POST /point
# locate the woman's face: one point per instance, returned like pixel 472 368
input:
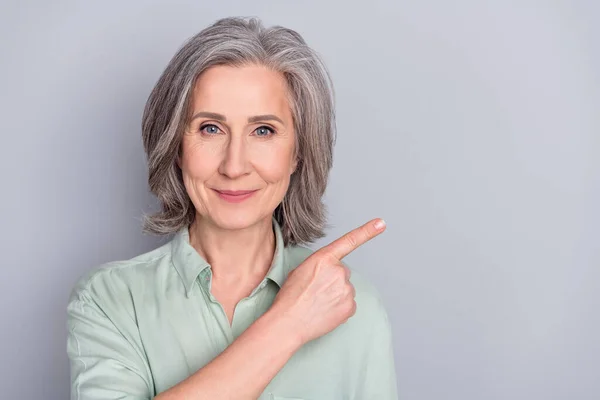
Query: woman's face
pixel 240 138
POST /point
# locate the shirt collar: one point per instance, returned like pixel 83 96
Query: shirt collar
pixel 189 264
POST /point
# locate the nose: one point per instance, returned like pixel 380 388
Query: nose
pixel 235 162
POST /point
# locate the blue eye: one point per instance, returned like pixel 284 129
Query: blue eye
pixel 210 129
pixel 264 131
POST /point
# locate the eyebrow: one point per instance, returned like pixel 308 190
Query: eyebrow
pixel 222 118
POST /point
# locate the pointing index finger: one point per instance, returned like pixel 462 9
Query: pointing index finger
pixel 352 240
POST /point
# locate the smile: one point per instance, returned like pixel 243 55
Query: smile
pixel 235 196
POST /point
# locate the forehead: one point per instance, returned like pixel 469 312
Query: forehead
pixel 245 90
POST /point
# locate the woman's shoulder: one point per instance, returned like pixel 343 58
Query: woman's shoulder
pixel 105 279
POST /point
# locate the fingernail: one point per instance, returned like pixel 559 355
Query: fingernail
pixel 380 224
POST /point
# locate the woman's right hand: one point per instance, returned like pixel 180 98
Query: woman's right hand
pixel 317 296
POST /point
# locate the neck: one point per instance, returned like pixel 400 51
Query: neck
pixel 234 255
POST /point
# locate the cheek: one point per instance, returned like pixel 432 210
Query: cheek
pixel 274 165
pixel 198 162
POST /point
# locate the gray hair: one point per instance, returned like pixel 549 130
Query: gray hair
pixel 238 41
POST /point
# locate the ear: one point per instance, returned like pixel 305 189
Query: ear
pixel 294 165
pixel 178 156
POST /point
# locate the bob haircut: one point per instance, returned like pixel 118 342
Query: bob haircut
pixel 238 41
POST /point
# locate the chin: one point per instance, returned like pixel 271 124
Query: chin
pixel 236 220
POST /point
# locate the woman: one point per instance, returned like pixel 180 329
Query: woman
pixel 238 133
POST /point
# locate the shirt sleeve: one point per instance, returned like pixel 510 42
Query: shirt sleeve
pixel 104 363
pixel 380 377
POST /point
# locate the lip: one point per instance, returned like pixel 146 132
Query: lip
pixel 235 196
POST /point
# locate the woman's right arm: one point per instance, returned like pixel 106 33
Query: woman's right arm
pixel 316 297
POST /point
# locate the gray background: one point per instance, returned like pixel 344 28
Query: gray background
pixel 472 127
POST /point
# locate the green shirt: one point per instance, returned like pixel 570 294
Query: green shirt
pixel 138 327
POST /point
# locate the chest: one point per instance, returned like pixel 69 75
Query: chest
pixel 229 298
pixel 184 334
